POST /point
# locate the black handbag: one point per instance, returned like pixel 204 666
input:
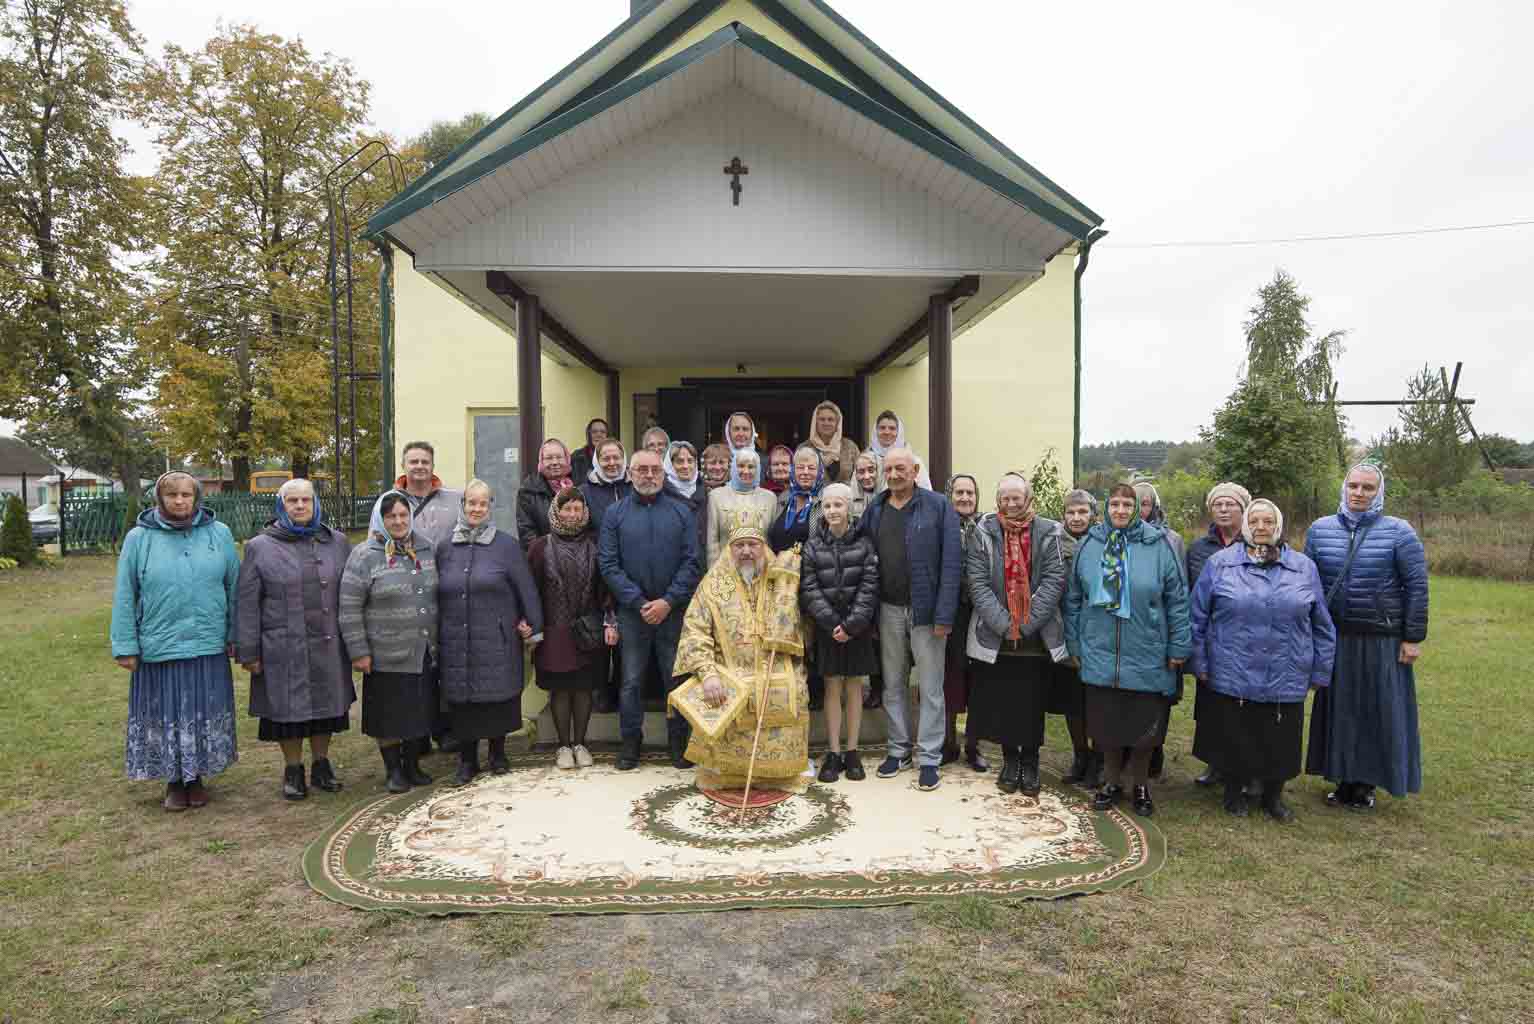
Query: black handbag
pixel 589 631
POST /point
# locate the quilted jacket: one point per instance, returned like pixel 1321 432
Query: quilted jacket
pixel 1386 586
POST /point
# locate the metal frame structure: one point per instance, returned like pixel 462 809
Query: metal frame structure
pixel 1455 404
pixel 338 264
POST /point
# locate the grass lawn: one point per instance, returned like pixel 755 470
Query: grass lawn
pixel 111 910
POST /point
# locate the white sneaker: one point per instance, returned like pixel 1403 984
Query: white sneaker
pixel 564 758
pixel 582 756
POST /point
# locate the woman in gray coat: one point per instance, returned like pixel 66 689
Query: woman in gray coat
pixel 288 636
pixel 389 625
pixel 489 608
pixel 1015 571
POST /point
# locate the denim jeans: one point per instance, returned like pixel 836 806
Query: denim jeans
pixel 638 643
pixel 899 642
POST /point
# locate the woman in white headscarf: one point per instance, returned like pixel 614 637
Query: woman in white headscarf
pixel 889 434
pixel 740 432
pixel 837 453
pixel 867 481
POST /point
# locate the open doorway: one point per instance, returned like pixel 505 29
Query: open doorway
pixel 781 407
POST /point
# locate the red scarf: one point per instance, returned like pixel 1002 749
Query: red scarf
pixel 1017 563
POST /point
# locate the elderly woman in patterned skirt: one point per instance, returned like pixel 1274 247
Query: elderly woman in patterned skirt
pixel 173 628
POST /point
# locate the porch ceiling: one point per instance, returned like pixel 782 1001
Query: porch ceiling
pixel 711 319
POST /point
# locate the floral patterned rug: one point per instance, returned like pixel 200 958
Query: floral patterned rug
pixel 597 840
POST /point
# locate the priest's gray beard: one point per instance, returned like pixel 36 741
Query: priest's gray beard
pixel 747 571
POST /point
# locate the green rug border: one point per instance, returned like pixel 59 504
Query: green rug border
pixel 1113 831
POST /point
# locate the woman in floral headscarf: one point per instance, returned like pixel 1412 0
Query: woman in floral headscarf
pixel 580 626
pixel 388 622
pixel 538 489
pixel 1126 625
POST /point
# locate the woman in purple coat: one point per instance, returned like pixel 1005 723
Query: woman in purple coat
pixel 1262 637
pixel 488 607
pixel 288 636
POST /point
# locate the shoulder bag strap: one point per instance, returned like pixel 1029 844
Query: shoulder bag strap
pixel 1358 542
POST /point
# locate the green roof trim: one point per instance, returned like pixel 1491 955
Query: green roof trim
pixel 409 202
pixel 406 205
pixel 526 101
pixel 958 114
pixel 915 134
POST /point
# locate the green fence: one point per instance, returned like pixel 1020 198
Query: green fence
pixel 93 523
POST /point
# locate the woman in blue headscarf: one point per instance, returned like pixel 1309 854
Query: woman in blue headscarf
pixel 1363 728
pixel 744 492
pixel 1127 627
pixel 798 509
pixel 288 636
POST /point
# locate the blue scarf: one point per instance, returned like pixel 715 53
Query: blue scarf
pixel 735 481
pixel 309 529
pixel 792 518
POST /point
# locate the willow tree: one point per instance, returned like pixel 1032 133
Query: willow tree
pixel 69 221
pixel 247 127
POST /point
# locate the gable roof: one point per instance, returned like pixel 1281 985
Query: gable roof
pixel 884 90
pixel 17 458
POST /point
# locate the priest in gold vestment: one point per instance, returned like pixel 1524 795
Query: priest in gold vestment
pixel 743 629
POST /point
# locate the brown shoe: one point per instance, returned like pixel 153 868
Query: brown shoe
pixel 175 797
pixel 196 795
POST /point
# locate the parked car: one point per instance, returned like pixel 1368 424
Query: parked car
pixel 45 524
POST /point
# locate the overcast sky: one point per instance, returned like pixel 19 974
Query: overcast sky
pixel 1175 122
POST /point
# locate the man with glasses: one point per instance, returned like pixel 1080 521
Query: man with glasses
pixel 648 555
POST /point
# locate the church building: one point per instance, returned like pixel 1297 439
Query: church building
pixel 735 204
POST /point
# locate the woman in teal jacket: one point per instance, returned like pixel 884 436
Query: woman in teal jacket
pixel 173 628
pixel 1127 626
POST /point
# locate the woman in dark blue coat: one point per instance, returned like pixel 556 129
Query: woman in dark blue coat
pixel 1261 638
pixel 1363 728
pixel 489 606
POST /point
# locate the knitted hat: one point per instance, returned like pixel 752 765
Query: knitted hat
pixel 1227 489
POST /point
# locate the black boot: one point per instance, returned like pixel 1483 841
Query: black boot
pixel 1158 764
pixel 830 767
pixel 1142 803
pixel 1011 768
pixel 323 776
pixel 1235 798
pixel 852 762
pixel 1080 760
pixel 975 759
pixel 498 763
pixel 1273 801
pixel 1028 776
pixel 410 754
pixel 468 762
pixel 1211 777
pixel 677 744
pixel 628 754
pixel 394 760
pixel 293 787
pixel 1094 777
pixel 1107 797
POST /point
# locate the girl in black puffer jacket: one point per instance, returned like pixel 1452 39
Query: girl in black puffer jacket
pixel 839 589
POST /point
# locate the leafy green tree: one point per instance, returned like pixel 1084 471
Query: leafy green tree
pixel 16 533
pixel 433 145
pixel 1428 450
pixel 1506 452
pixel 1048 487
pixel 239 326
pixel 69 218
pixel 1275 434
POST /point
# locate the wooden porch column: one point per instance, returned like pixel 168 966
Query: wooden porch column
pixel 614 406
pixel 859 413
pixel 530 379
pixel 940 389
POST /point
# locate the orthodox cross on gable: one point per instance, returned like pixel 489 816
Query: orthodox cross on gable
pixel 735 169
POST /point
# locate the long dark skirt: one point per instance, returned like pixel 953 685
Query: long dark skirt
pixel 271 731
pixel 1007 700
pixel 1203 746
pixel 1363 728
pixel 398 705
pixel 181 719
pixel 1250 739
pixel 1067 693
pixel 486 721
pixel 957 676
pixel 588 678
pixel 1125 718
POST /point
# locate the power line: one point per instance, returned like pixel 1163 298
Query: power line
pixel 1405 233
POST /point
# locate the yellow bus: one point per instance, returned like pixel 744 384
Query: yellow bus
pixel 267 481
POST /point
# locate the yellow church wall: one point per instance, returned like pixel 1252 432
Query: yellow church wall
pixel 451 361
pixel 752 17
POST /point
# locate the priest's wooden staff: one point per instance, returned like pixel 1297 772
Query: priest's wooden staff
pixel 761 715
